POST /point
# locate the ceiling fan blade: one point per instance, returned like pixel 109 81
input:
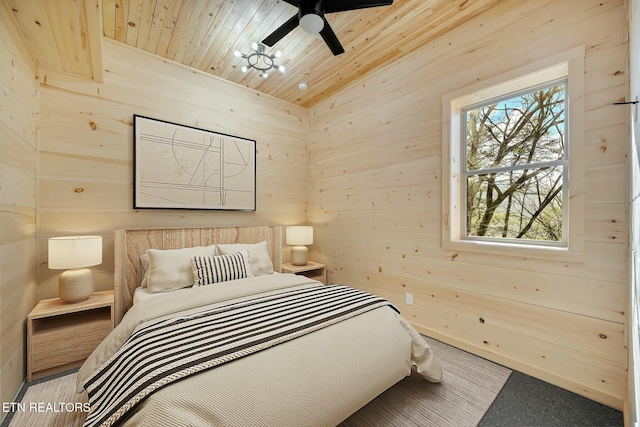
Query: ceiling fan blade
pixel 332 6
pixel 281 31
pixel 331 39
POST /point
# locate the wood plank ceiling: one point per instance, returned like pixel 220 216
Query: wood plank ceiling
pixel 63 35
pixel 203 34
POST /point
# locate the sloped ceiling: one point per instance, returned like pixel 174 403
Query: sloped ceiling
pixel 203 34
pixel 63 35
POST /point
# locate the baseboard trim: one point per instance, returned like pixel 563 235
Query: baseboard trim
pixel 580 389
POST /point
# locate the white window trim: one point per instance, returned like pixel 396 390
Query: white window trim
pixel 569 64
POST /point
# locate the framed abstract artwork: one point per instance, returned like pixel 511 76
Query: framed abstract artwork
pixel 183 167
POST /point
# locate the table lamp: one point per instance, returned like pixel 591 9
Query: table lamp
pixel 298 236
pixel 75 253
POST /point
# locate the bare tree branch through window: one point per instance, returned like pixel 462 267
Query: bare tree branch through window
pixel 515 165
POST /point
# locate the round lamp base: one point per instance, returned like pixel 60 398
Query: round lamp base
pixel 75 285
pixel 299 255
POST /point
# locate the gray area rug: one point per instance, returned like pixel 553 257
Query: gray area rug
pixel 469 387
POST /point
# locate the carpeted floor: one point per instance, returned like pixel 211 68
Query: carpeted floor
pixel 470 386
pixel 526 401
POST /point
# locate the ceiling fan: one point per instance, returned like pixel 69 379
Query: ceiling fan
pixel 311 19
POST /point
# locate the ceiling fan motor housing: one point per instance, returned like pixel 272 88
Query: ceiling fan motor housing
pixel 311 6
pixel 311 15
pixel 310 18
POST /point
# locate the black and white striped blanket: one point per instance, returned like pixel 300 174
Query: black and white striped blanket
pixel 168 350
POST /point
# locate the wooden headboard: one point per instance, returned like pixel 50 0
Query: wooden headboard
pixel 130 244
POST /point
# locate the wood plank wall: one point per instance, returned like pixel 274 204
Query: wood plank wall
pixel 18 163
pixel 633 405
pixel 86 150
pixel 375 191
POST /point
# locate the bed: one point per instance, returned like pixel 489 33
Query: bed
pixel 260 349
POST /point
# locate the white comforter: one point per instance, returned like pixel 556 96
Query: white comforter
pixel 317 379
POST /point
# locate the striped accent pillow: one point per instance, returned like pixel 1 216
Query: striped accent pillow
pixel 221 268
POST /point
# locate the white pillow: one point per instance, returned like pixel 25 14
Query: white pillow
pixel 144 260
pixel 221 268
pixel 258 256
pixel 170 269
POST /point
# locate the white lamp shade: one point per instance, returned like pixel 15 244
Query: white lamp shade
pixel 74 252
pixel 300 235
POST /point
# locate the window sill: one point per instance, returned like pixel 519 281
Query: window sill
pixel 515 250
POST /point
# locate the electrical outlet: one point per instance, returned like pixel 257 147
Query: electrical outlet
pixel 409 298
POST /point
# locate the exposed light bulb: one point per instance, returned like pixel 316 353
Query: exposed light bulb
pixel 278 54
pixel 237 54
pixel 254 46
pixel 244 69
pixel 281 68
pixel 264 74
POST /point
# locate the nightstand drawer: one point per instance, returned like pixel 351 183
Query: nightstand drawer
pixel 62 340
pixel 61 336
pixel 314 275
pixel 312 270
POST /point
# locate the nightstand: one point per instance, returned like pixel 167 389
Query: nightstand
pixel 61 336
pixel 312 270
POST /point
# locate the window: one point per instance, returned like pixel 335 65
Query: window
pixel 514 165
pixel 513 168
